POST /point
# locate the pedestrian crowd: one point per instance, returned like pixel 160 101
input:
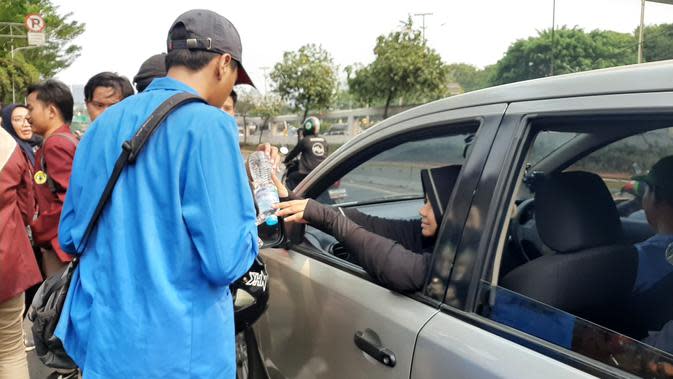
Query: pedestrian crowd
pixel 153 278
pixel 154 238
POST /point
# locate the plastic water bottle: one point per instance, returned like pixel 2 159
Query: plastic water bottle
pixel 265 191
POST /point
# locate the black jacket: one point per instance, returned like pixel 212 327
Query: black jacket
pixel 394 252
pixel 313 150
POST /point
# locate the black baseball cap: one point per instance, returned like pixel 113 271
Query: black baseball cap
pixel 154 67
pixel 660 176
pixel 209 31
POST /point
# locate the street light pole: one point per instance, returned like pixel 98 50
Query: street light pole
pixel 423 22
pixel 640 31
pixel 642 24
pixel 264 69
pixel 553 28
pixel 13 50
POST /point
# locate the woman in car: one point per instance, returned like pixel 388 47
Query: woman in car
pixel 394 252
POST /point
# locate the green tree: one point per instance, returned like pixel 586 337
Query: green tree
pixel 245 105
pixel 404 68
pixel 17 72
pixel 657 42
pixel 266 107
pixel 469 77
pixel 574 50
pixel 59 52
pixel 306 78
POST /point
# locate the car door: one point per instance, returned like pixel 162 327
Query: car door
pixel 467 337
pixel 327 318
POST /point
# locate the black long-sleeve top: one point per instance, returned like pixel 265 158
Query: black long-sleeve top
pixel 393 252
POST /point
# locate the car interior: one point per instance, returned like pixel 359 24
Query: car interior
pixel 384 183
pixel 574 223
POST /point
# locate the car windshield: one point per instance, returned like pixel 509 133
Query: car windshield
pixel 547 143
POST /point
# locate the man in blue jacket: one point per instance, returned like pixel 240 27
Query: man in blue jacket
pixel 150 297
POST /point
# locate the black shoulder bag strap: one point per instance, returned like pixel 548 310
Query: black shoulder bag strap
pixel 130 151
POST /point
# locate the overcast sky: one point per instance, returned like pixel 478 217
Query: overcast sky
pixel 121 34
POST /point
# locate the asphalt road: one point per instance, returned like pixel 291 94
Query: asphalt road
pixel 35 367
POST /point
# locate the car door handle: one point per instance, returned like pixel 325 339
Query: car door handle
pixel 370 343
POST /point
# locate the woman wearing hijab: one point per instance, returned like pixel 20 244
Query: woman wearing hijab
pixel 15 123
pixel 396 253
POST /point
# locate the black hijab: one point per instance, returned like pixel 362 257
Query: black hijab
pixel 26 146
pixel 438 185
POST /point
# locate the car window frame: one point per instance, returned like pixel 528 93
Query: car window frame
pixel 501 176
pixel 483 118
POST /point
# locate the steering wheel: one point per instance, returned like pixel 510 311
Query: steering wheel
pixel 524 232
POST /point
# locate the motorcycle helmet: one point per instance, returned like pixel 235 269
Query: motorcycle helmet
pixel 251 295
pixel 311 125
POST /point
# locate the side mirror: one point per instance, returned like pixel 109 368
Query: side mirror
pixel 271 235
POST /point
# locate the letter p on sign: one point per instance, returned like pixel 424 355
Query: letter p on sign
pixel 35 23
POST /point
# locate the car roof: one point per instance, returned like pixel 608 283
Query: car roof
pixel 648 77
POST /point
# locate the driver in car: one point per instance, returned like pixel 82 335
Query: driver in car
pixel 395 252
pixel 653 259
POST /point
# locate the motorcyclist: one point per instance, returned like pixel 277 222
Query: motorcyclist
pixel 311 149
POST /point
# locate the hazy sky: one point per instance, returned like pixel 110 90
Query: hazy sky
pixel 121 34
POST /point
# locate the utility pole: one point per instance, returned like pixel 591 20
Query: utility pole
pixel 264 70
pixel 640 31
pixel 553 28
pixel 423 21
pixel 642 24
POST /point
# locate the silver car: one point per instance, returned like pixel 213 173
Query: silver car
pixel 525 281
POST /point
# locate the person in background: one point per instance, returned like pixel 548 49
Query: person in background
pixel 154 67
pixel 312 149
pixel 50 106
pixel 653 263
pixel 15 122
pixel 18 268
pixel 229 105
pixel 104 90
pixel 150 297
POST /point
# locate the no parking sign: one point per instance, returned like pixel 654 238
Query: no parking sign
pixel 35 23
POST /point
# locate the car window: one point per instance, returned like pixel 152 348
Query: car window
pixel 578 268
pixel 618 162
pixel 394 174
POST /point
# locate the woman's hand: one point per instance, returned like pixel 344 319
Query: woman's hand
pixel 292 211
pixel 280 187
pixel 271 152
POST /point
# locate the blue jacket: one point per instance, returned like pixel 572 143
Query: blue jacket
pixel 652 263
pixel 150 297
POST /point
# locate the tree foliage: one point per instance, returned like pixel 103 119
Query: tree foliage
pixel 470 77
pixel 306 78
pixel 657 42
pixel 18 71
pixel 404 67
pixel 47 60
pixel 266 107
pixel 245 105
pixel 574 50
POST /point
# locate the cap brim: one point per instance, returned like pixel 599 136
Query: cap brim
pixel 642 178
pixel 243 77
